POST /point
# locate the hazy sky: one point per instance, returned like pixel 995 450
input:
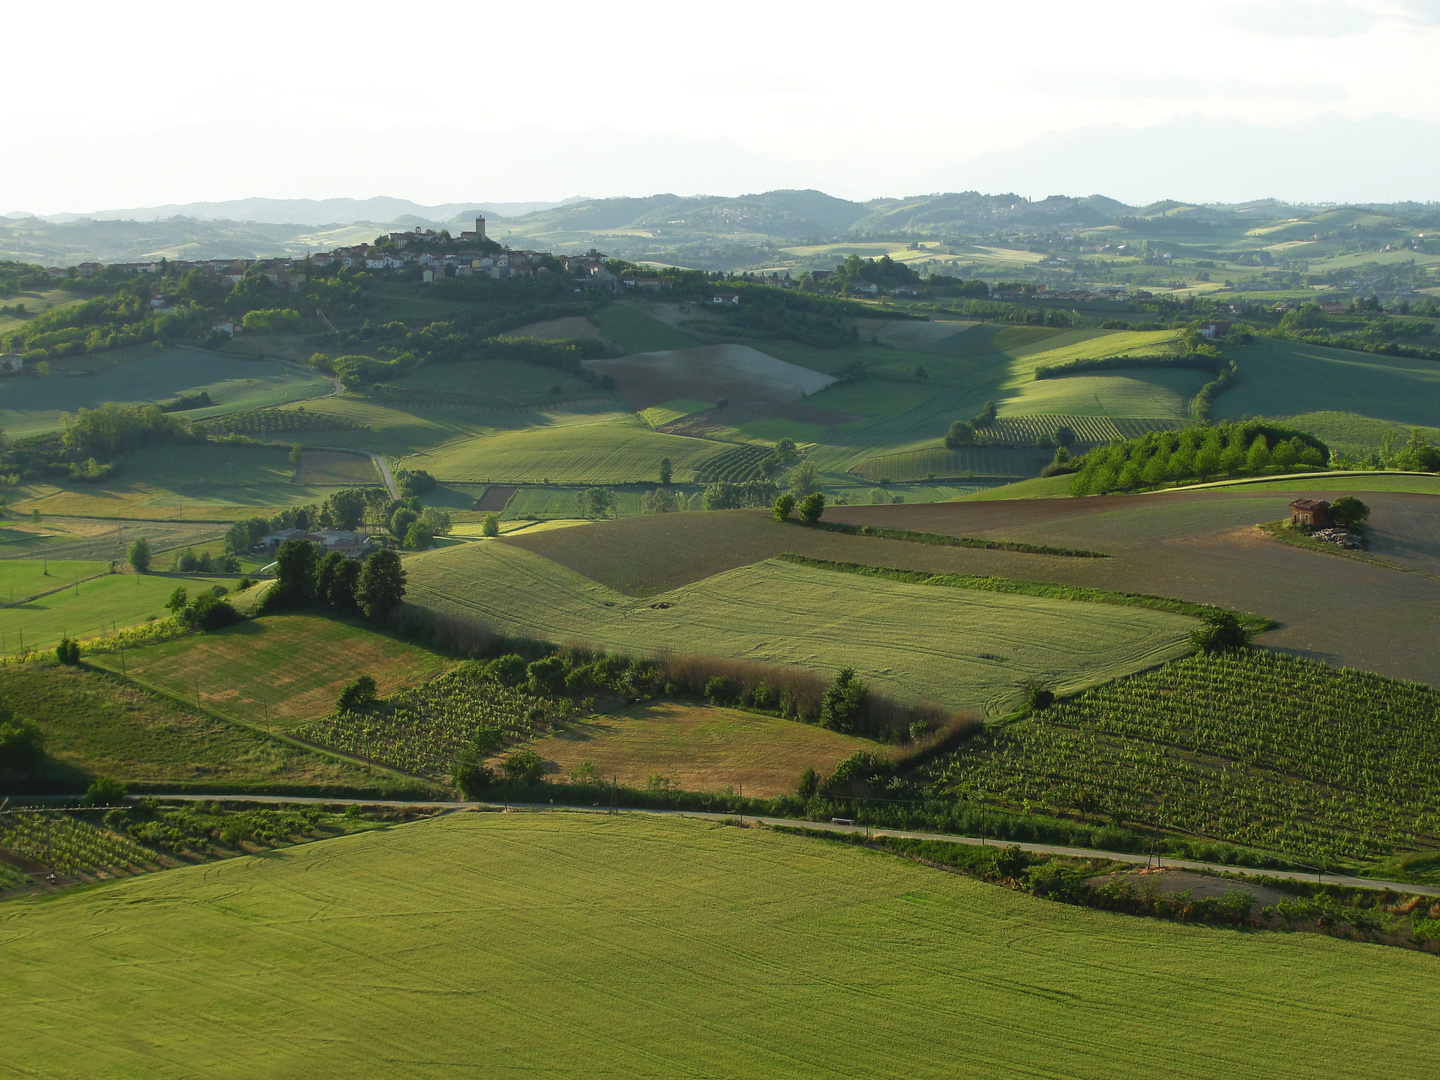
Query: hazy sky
pixel 122 105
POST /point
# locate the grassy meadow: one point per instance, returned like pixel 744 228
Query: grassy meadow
pixel 90 607
pixel 287 668
pixel 967 650
pixel 33 404
pixel 97 724
pixel 574 945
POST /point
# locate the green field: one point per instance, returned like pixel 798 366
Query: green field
pixel 492 383
pixel 594 946
pixel 287 668
pixel 636 331
pixel 90 608
pixel 1353 435
pixel 1286 378
pixel 967 650
pixel 610 448
pixel 200 481
pixel 33 404
pixel 97 724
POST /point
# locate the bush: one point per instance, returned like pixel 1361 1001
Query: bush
pixel 811 507
pixel 784 507
pixel 1010 862
pixel 490 525
pixel 546 676
pixel 717 690
pixel 809 783
pixel 22 745
pixel 1039 696
pixel 508 670
pixel 524 766
pixel 208 612
pixel 104 792
pixel 68 651
pixel 1222 633
pixel 471 775
pixel 358 694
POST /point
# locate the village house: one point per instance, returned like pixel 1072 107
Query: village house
pixel 1213 331
pixel 1311 513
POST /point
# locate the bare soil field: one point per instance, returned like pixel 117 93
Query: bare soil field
pixel 1201 546
pixel 495 498
pixel 698 748
pixel 643 556
pixel 737 373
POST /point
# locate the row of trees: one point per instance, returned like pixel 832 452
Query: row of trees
pixel 410 522
pixel 1196 453
pixel 306 577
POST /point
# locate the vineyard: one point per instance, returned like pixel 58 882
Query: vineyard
pixel 264 422
pixel 1025 430
pixel 936 461
pixel 72 847
pixel 737 464
pixel 1259 749
pixel 422 731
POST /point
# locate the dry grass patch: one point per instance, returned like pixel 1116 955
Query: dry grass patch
pixel 698 748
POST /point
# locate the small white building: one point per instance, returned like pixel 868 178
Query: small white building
pixel 11 363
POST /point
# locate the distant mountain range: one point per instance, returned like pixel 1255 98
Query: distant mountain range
pixel 312 212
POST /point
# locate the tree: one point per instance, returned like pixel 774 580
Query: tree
pixel 1258 456
pixel 347 507
pixel 784 507
pixel 840 704
pixel 723 495
pixel 1065 436
pixel 811 507
pixel 295 563
pixel 804 479
pixel 1349 511
pixel 665 472
pixel 401 520
pixel 244 535
pixel 139 556
pixel 104 792
pixel 658 501
pixel 786 451
pixel 22 744
pixel 961 433
pixel 209 612
pixel 524 766
pixel 358 694
pixel 381 585
pixel 595 502
pixel 1419 455
pixel 68 651
pixel 179 600
pixel 809 783
pixel 490 525
pixel 471 775
pixel 1222 633
pixel 437 521
pixel 418 537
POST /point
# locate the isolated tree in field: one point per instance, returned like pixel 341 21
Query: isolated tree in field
pixel 359 694
pixel 1349 511
pixel 524 767
pixel 1065 436
pixel 784 507
pixel 961 433
pixel 490 525
pixel 1222 633
pixel 595 502
pixel 139 556
pixel 786 451
pixel 804 479
pixel 811 507
pixel 665 471
pixel 381 585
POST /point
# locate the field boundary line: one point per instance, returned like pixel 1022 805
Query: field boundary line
pixel 802 824
pixel 1285 478
pixel 224 717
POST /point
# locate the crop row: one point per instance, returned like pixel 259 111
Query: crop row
pixel 274 421
pixel 422 731
pixel 1090 429
pixel 1258 749
pixel 71 846
pixel 737 464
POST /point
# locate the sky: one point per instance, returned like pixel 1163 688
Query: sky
pixel 123 106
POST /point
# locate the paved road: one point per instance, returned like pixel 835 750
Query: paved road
pixel 828 826
pixel 380 463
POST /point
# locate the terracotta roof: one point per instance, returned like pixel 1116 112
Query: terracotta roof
pixel 1309 504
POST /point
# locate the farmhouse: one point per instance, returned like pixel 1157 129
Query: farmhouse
pixel 1214 330
pixel 11 363
pixel 1312 513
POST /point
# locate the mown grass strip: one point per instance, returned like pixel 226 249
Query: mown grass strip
pixel 1046 589
pixel 944 540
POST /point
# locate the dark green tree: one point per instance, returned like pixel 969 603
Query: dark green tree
pixel 295 563
pixel 139 556
pixel 524 767
pixel 1222 633
pixel 358 694
pixel 842 701
pixel 811 507
pixel 1349 511
pixel 665 471
pixel 961 433
pixel 784 507
pixel 381 585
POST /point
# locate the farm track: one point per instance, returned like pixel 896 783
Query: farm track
pixel 821 826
